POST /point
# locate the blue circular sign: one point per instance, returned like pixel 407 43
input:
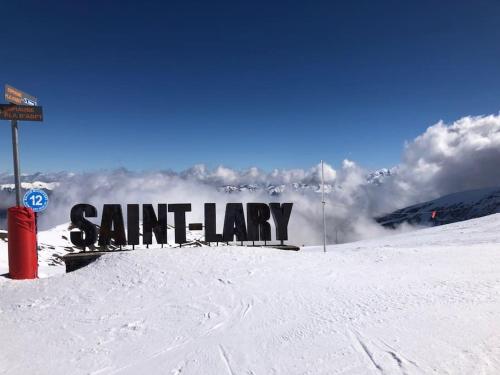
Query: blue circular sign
pixel 36 199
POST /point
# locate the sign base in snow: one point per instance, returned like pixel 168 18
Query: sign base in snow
pixel 75 261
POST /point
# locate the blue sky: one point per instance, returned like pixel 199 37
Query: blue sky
pixel 167 84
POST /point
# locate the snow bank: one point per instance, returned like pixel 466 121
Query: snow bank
pixel 421 302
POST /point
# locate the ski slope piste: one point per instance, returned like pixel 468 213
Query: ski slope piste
pixel 423 302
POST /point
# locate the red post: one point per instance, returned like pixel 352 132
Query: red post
pixel 23 257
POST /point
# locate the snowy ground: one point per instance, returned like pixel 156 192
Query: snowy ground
pixel 417 303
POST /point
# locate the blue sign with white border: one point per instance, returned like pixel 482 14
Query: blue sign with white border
pixel 36 199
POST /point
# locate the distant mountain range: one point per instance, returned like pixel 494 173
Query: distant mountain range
pixel 274 189
pixel 450 208
pixel 377 177
pixel 50 182
pixel 7 178
pixel 49 186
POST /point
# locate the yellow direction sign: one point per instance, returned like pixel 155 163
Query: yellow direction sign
pixel 16 96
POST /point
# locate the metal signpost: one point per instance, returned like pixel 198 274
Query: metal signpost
pixel 22 222
pixel 323 203
pixel 15 156
pixel 24 107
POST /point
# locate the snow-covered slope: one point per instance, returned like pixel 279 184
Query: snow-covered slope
pixel 451 208
pixel 417 303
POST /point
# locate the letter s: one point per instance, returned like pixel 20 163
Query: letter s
pixel 78 213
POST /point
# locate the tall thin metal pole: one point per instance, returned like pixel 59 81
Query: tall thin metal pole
pixel 15 156
pixel 323 202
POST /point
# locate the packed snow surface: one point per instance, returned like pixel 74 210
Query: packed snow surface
pixel 416 303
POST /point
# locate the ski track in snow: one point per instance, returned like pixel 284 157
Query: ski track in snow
pixel 225 359
pixel 416 303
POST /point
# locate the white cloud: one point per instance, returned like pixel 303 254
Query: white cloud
pixel 444 159
pixel 449 158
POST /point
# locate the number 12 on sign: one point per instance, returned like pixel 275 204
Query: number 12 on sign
pixel 36 199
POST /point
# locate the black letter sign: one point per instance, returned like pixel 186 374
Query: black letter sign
pixel 179 211
pixel 210 224
pixel 152 224
pixel 133 224
pixel 281 215
pixel 78 213
pixel 112 226
pixel 258 227
pixel 234 223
